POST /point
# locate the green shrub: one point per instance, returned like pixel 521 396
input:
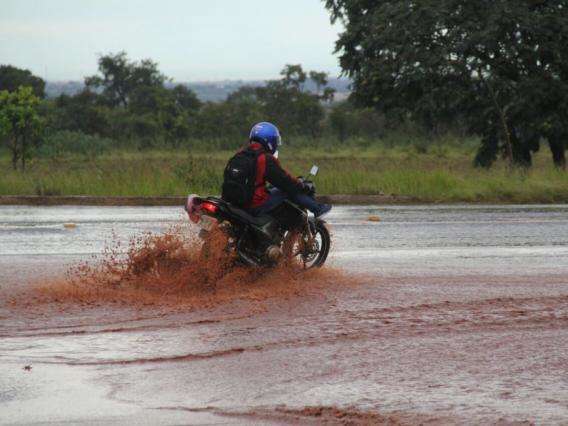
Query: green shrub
pixel 68 142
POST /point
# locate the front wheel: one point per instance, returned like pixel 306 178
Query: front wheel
pixel 310 249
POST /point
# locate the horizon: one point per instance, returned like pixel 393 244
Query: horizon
pixel 191 41
pixel 225 80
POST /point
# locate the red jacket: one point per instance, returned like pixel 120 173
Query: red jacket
pixel 268 169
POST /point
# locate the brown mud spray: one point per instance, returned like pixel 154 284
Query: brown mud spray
pixel 171 269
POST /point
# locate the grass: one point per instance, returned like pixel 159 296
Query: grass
pixel 440 173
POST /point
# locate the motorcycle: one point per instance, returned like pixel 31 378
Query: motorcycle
pixel 288 233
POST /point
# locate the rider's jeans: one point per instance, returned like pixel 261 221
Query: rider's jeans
pixel 277 197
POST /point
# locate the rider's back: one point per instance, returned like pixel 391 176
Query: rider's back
pixel 239 178
pixel 247 173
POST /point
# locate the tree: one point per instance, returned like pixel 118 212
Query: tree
pixel 120 78
pixel 84 112
pixel 11 78
pixel 293 76
pixel 245 110
pixel 345 120
pixel 294 111
pixel 340 121
pixel 558 142
pixel 488 62
pixel 20 124
pixel 185 99
pixel 320 80
pixel 228 122
pixel 284 102
pixel 149 111
pixel 172 109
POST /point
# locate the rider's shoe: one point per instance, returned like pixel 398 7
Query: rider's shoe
pixel 323 210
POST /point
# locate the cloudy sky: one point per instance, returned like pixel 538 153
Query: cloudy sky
pixel 190 39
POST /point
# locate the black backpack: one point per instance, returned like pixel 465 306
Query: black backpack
pixel 239 178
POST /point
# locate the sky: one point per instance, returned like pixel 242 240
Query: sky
pixel 192 40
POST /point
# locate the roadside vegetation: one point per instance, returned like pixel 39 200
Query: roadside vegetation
pixel 440 171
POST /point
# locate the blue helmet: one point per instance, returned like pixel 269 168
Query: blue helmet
pixel 267 135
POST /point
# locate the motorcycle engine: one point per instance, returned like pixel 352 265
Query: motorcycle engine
pixel 273 253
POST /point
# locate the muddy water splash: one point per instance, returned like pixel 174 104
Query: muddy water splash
pixel 172 269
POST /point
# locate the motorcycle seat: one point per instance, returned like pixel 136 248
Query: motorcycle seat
pixel 255 220
pixel 243 214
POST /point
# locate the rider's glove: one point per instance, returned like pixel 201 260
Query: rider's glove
pixel 308 187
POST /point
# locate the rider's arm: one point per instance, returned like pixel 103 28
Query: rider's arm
pixel 280 178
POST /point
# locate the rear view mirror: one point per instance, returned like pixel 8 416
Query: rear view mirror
pixel 314 170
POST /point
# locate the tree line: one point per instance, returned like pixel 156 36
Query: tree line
pixel 129 104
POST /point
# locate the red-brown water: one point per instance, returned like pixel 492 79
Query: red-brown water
pixel 438 320
pixel 169 270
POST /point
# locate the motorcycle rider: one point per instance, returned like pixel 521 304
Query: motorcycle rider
pixel 264 140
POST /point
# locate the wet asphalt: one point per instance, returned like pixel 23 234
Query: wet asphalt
pixel 452 314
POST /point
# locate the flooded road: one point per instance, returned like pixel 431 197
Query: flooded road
pixel 443 314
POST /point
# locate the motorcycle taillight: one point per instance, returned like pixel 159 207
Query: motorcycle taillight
pixel 210 207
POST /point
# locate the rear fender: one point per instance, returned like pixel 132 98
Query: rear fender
pixel 192 207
